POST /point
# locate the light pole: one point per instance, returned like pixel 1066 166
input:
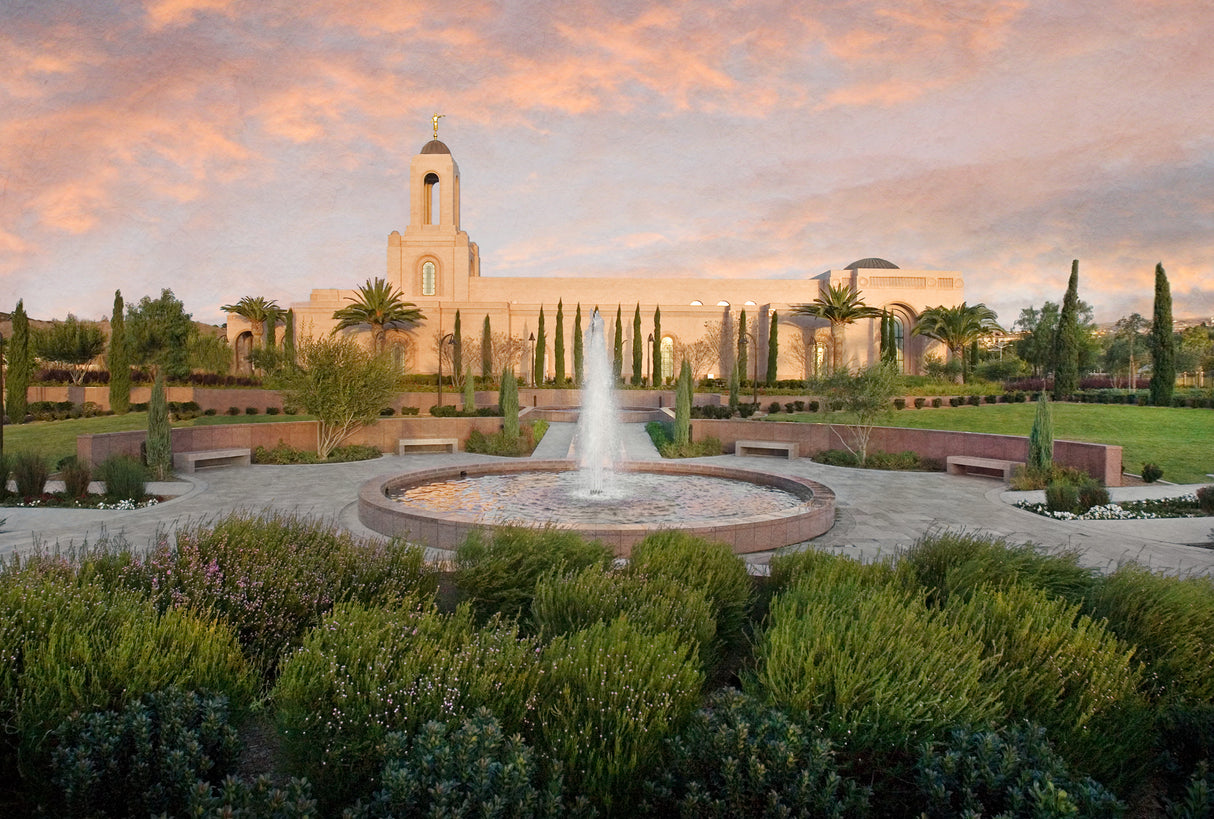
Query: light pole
pixel 447 339
pixel 649 358
pixel 530 365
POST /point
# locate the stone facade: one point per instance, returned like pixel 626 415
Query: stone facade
pixel 437 267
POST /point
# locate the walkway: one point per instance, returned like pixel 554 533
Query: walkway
pixel 878 512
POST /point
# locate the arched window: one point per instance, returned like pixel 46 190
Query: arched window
pixel 431 203
pixel 667 352
pixel 900 340
pixel 722 303
pixel 429 275
pixel 697 303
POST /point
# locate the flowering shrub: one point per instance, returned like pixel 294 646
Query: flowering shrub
pixel 1182 506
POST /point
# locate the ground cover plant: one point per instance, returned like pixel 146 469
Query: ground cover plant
pixel 966 677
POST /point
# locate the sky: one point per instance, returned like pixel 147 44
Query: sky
pixel 227 148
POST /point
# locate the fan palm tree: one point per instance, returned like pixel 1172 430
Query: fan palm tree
pixel 840 306
pixel 257 311
pixel 956 327
pixel 381 306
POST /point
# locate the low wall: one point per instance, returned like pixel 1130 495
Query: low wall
pixel 1101 461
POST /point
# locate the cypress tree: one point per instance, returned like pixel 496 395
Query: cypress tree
pixel 1163 343
pixel 682 406
pixel 617 363
pixel 507 399
pixel 636 347
pixel 541 340
pixel 578 352
pixel 733 388
pixel 469 391
pixel 1066 340
pixel 1041 438
pixel 288 339
pixel 743 343
pixel 20 365
pixel 486 349
pixel 657 347
pixel 558 344
pixel 271 331
pixel 3 463
pixel 457 349
pixel 773 348
pixel 159 448
pixel 118 360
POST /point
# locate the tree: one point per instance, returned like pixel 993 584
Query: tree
pixel 1066 340
pixel 469 391
pixel 288 339
pixel 258 311
pixel 487 368
pixel 210 353
pixel 159 332
pixel 617 362
pixel 507 399
pixel 656 352
pixel 636 347
pixel 159 447
pixel 118 360
pixel 507 352
pixel 541 341
pixel 743 343
pixel 340 383
pixel 20 365
pixel 71 344
pixel 733 388
pixel 578 352
pixel 558 344
pixel 1041 438
pixel 1163 343
pixel 682 406
pixel 889 344
pixel 867 397
pixel 1130 328
pixel 457 348
pixel 773 348
pixel 1038 328
pixel 956 327
pixel 839 307
pixel 380 306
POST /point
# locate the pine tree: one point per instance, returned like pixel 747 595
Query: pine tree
pixel 578 343
pixel 743 343
pixel 159 448
pixel 457 349
pixel 656 353
pixel 773 348
pixel 1066 340
pixel 682 406
pixel 617 363
pixel 637 349
pixel 507 399
pixel 118 360
pixel 1041 438
pixel 541 339
pixel 486 349
pixel 558 344
pixel 288 339
pixel 20 365
pixel 469 391
pixel 1163 343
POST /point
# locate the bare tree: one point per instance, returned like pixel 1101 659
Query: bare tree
pixel 507 353
pixel 701 355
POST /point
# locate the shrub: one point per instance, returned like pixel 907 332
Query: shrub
pixel 124 477
pixel 503 444
pixel 465 769
pixel 836 457
pixel 813 406
pixel 773 407
pixel 739 757
pixel 251 410
pixel 787 569
pixel 387 412
pixel 1205 499
pixel 612 694
pixel 919 402
pixel 1091 494
pixel 900 403
pixel 1061 497
pixel 272 410
pixel 237 798
pixel 973 400
pixel 1197 801
pixel 692 449
pixel 209 411
pixel 937 403
pixel 498 570
pixel 231 410
pixel 274 577
pixel 283 454
pixel 1012 773
pixel 1151 472
pixel 367 672
pixel 353 452
pixel 30 472
pixel 955 401
pixel 144 759
pixel 76 477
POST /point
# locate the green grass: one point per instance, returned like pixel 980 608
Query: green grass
pixel 1175 438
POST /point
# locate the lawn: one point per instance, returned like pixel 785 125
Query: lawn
pixel 1180 440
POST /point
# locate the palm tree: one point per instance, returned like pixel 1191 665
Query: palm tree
pixel 957 327
pixel 840 306
pixel 257 311
pixel 381 306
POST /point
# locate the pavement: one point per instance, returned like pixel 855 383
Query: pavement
pixel 878 513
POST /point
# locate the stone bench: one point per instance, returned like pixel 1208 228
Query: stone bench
pixel 786 448
pixel 969 464
pixel 405 445
pixel 191 461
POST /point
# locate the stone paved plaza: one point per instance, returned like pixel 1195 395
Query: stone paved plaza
pixel 878 512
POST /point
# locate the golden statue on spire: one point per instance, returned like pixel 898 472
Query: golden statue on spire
pixel 434 119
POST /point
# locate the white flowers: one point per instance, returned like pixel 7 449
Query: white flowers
pixel 1109 511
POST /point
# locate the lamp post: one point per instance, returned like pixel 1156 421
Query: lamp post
pixel 649 358
pixel 447 339
pixel 530 363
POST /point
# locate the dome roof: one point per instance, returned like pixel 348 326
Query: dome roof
pixel 435 147
pixel 872 264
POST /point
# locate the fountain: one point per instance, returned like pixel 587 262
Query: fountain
pixel 599 495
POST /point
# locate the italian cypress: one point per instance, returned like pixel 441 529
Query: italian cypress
pixel 1163 343
pixel 617 363
pixel 118 360
pixel 682 406
pixel 457 349
pixel 578 352
pixel 558 344
pixel 773 348
pixel 1066 340
pixel 20 365
pixel 159 447
pixel 733 388
pixel 271 331
pixel 636 347
pixel 1041 438
pixel 657 347
pixel 486 349
pixel 507 398
pixel 469 391
pixel 743 343
pixel 288 338
pixel 541 340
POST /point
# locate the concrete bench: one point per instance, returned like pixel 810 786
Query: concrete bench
pixel 786 448
pixel 967 464
pixel 191 461
pixel 405 445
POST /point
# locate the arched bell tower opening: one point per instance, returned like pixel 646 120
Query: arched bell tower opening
pixel 432 199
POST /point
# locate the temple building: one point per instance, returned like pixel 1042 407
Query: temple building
pixel 438 268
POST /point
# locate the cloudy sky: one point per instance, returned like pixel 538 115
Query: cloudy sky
pixel 225 148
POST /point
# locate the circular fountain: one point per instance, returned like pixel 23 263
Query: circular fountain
pixel 597 495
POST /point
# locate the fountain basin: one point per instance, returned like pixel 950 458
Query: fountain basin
pixel 811 513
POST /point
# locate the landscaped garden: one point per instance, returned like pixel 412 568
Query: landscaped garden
pixel 281 668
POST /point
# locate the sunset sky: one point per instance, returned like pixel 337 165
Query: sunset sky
pixel 225 148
